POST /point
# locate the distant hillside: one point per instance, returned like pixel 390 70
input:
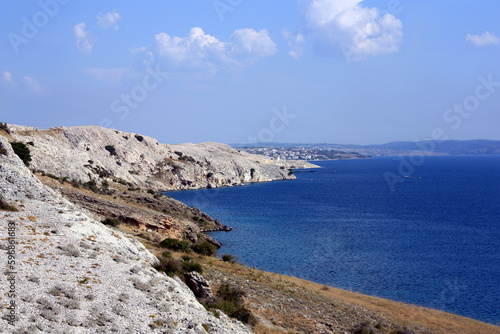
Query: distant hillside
pixel 445 147
pixel 452 147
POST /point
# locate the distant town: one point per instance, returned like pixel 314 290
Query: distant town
pixel 303 153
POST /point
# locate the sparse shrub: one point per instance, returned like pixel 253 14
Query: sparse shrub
pixel 252 172
pixel 175 245
pixel 151 191
pixel 139 138
pixel 22 151
pixel 103 173
pixel 187 158
pixel 228 258
pixel 139 285
pixel 111 222
pixel 104 186
pixel 92 186
pixel 169 266
pixel 209 175
pixel 57 291
pixel 70 250
pixel 76 183
pixel 4 206
pixel 111 149
pixel 290 171
pixel 204 248
pixel 229 299
pixel 5 127
pixel 178 153
pixel 364 328
pixel 190 266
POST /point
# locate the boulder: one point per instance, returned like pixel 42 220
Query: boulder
pixel 200 286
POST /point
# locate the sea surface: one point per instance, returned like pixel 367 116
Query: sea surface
pixel 432 239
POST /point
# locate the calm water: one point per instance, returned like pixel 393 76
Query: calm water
pixel 434 241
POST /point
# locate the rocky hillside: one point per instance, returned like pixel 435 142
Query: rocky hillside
pixel 84 153
pixel 68 273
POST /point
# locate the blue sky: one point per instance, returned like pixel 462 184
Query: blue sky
pixel 236 71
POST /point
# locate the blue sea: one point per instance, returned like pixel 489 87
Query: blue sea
pixel 432 238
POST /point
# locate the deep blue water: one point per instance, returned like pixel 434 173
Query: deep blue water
pixel 433 241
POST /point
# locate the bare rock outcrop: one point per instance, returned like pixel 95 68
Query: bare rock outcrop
pixel 200 286
pixel 72 274
pixel 88 152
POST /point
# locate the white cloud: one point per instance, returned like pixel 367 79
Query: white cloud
pixel 113 76
pixel 84 40
pixel 250 43
pixel 7 80
pixel 482 40
pixel 295 43
pixel 32 84
pixel 108 20
pixel 202 50
pixel 359 31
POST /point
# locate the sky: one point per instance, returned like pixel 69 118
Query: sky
pixel 241 71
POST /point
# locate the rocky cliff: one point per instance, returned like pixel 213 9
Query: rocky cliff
pixel 84 153
pixel 67 272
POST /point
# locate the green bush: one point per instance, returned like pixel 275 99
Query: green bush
pixel 104 186
pixel 91 185
pixel 151 191
pixel 229 299
pixel 111 149
pixel 22 151
pixel 189 266
pixel 290 171
pixel 111 221
pixel 228 258
pixel 252 172
pixel 172 266
pixel 204 248
pixel 169 266
pixel 139 138
pixel 175 245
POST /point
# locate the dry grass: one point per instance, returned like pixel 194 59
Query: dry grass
pixel 438 322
